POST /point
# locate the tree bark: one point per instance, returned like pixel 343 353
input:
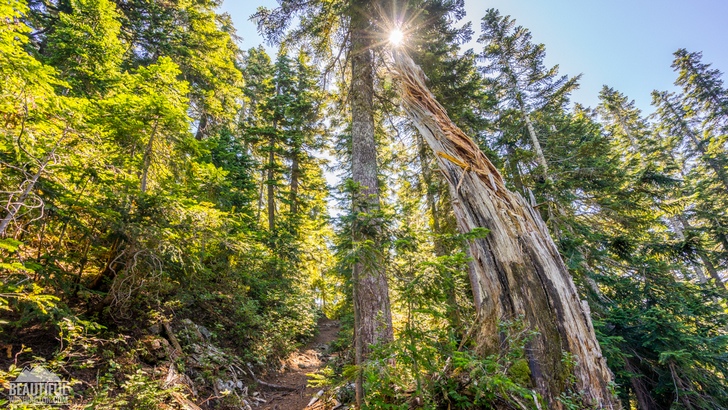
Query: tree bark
pixel 536 145
pixel 517 270
pixel 295 175
pixel 271 183
pixel 372 315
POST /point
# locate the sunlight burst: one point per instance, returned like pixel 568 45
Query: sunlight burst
pixel 396 37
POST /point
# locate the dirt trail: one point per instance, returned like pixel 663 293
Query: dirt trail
pixel 308 359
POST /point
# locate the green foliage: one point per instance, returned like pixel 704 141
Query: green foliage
pixel 116 216
pixel 141 153
pixel 84 46
pixel 426 369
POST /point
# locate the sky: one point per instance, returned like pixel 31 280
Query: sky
pixel 625 44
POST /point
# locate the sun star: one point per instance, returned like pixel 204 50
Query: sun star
pixel 396 37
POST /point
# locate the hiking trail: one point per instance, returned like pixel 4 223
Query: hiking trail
pixel 308 359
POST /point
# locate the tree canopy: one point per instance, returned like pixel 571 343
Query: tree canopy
pixel 181 216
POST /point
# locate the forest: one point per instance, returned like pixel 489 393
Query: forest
pixel 371 217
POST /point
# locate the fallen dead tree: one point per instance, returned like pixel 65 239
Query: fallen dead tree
pixel 517 270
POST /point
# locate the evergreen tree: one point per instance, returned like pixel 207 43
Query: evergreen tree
pixel 200 41
pixel 85 46
pixel 371 295
pixel 524 87
pixel 695 221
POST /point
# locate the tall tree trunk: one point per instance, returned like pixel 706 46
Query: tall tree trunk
pixel 271 181
pixel 536 145
pixel 517 268
pixel 260 194
pixel 295 175
pixel 372 315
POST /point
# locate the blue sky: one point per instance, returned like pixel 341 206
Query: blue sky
pixel 626 44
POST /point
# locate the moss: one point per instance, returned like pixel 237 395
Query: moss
pixel 520 373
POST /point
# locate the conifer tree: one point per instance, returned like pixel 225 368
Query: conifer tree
pixel 373 322
pixel 85 46
pixel 697 217
pixel 200 41
pixel 514 66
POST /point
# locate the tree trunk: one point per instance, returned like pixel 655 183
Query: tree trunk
pixel 201 128
pixel 536 145
pixel 295 175
pixel 271 182
pixel 372 315
pixel 517 271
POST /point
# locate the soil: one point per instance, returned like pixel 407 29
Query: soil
pixel 308 359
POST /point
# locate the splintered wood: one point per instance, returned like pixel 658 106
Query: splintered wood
pixel 517 272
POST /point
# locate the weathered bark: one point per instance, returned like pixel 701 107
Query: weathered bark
pixel 372 315
pixel 517 270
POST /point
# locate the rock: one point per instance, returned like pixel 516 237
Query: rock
pixel 191 332
pixel 345 393
pixel 203 330
pixel 155 329
pixel 155 349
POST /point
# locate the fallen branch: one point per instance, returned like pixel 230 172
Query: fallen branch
pixel 172 339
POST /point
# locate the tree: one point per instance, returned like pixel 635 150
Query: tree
pixel 683 145
pixel 200 42
pixel 373 320
pixel 517 271
pixel 84 46
pixel 514 66
pixel 36 127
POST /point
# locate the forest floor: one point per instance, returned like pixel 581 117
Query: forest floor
pixel 308 359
